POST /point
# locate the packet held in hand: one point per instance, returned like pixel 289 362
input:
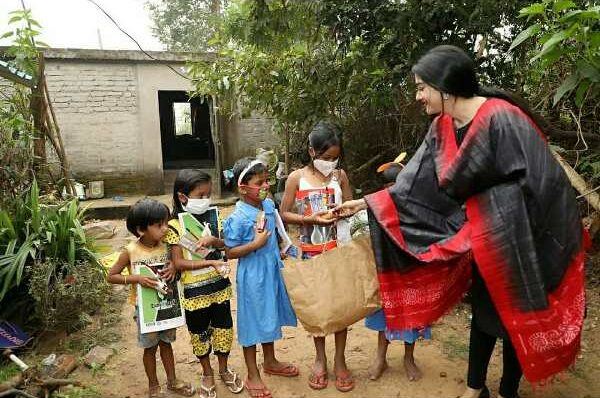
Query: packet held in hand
pixel 190 243
pixel 261 221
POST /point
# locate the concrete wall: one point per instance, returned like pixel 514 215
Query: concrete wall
pixel 243 135
pixel 106 103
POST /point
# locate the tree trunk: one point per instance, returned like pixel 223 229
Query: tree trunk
pixel 579 183
pixel 217 144
pixel 36 105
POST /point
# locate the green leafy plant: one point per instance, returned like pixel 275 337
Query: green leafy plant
pixel 589 167
pixel 568 41
pixel 24 49
pixel 35 231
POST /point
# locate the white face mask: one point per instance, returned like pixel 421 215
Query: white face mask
pixel 196 206
pixel 325 167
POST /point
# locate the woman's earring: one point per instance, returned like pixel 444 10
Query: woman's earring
pixel 446 96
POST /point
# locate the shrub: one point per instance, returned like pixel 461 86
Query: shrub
pixel 65 294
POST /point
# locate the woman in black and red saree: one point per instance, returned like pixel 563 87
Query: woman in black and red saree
pixel 484 203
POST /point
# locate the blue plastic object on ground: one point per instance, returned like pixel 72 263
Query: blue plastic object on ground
pixel 11 336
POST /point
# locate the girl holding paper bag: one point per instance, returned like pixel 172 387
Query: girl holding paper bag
pixel 315 189
pixel 262 299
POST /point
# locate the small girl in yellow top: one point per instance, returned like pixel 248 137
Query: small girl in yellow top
pixel 206 291
pixel 147 220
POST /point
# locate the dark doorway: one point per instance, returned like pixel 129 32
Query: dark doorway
pixel 185 131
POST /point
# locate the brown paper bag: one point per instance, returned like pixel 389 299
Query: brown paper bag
pixel 332 291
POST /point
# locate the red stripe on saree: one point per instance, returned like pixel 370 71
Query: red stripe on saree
pixel 546 341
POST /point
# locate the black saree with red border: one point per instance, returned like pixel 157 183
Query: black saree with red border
pixel 500 200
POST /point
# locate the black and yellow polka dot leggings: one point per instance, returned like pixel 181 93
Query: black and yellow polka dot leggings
pixel 211 329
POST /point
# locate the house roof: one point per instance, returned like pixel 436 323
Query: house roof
pixel 81 54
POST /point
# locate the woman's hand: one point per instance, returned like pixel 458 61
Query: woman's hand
pixel 321 218
pixel 350 208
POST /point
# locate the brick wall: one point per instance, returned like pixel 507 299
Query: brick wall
pixel 96 108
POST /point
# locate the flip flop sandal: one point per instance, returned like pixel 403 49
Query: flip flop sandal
pixel 288 370
pixel 235 385
pixel 207 392
pixel 156 392
pixel 318 381
pixel 182 388
pixel 344 381
pixel 257 392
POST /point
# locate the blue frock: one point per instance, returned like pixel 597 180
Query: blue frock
pixel 376 321
pixel 263 305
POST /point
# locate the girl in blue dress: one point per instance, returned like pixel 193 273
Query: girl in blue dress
pixel 263 305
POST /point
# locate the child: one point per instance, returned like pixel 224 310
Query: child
pixel 206 292
pixel 147 220
pixel 263 303
pixel 376 321
pixel 321 178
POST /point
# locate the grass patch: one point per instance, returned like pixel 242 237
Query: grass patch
pixel 455 347
pixel 7 371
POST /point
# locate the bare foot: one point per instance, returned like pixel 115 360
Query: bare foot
pixel 412 370
pixel 377 369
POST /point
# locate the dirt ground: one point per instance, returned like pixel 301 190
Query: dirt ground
pixel 442 360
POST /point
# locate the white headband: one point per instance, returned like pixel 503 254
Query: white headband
pixel 247 169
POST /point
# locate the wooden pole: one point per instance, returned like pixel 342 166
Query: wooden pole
pixel 287 149
pixel 56 138
pixel 217 145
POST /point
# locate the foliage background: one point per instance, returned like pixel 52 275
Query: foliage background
pixel 349 60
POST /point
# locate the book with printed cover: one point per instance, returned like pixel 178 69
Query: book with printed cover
pixel 158 310
pixel 193 228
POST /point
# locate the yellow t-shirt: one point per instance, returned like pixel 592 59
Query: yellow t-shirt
pixel 143 255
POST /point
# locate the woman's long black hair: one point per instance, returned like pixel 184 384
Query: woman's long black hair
pixel 450 70
pixel 185 182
